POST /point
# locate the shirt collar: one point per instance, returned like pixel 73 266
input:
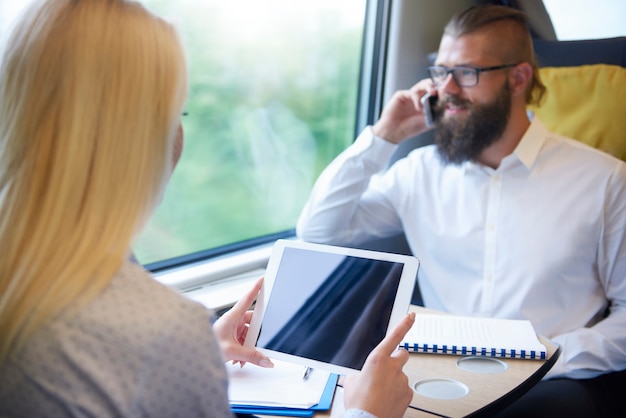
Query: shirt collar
pixel 531 143
pixel 526 152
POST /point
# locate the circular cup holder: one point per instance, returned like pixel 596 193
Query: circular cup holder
pixel 440 388
pixel 482 365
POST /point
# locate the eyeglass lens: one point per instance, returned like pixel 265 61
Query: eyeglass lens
pixel 462 76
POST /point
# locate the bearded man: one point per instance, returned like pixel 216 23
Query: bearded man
pixel 508 220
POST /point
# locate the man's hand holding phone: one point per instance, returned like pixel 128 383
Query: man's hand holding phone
pixel 402 116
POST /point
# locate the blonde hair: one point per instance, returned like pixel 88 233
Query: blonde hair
pixel 516 48
pixel 90 97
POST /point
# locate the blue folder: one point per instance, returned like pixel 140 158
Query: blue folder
pixel 325 402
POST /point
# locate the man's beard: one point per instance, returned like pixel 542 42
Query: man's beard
pixel 463 139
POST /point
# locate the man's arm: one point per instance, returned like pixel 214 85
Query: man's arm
pixel 588 352
pixel 338 211
pixel 341 208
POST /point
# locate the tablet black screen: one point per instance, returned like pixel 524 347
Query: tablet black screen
pixel 329 307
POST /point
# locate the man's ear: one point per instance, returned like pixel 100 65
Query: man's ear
pixel 519 78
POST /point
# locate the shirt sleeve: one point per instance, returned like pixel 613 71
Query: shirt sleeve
pixel 341 208
pixel 590 351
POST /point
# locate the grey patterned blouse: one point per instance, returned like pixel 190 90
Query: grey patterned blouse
pixel 138 350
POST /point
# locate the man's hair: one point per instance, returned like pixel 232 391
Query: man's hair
pixel 90 98
pixel 516 47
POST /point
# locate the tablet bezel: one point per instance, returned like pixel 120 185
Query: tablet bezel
pixel 400 307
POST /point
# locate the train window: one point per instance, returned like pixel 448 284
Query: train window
pixel 273 89
pixel 587 19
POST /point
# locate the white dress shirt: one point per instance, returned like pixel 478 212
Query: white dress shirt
pixel 542 237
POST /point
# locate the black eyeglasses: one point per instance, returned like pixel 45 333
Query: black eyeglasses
pixel 464 76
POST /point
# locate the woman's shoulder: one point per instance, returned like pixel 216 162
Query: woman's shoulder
pixel 137 309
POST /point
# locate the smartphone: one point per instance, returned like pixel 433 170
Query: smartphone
pixel 428 102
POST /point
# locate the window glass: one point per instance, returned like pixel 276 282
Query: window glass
pixel 272 99
pixel 587 19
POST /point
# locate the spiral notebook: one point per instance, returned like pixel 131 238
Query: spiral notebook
pixel 472 336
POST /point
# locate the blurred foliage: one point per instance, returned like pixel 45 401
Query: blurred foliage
pixel 272 99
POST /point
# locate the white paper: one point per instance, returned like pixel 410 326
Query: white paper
pixel 279 386
pixel 463 331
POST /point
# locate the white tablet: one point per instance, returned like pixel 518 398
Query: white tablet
pixel 327 307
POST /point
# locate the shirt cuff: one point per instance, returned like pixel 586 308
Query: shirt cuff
pixel 372 148
pixel 357 413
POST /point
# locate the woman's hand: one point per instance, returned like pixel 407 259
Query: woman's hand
pixel 381 387
pixel 232 327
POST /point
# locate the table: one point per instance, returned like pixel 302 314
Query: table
pixel 486 393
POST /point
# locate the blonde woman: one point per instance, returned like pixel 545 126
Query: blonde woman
pixel 90 97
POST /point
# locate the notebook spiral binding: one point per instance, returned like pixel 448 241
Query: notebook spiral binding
pixel 475 351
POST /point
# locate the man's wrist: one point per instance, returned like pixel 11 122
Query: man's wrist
pixel 379 131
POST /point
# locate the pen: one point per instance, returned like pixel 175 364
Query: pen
pixel 307 373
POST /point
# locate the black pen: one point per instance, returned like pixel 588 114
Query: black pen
pixel 307 373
